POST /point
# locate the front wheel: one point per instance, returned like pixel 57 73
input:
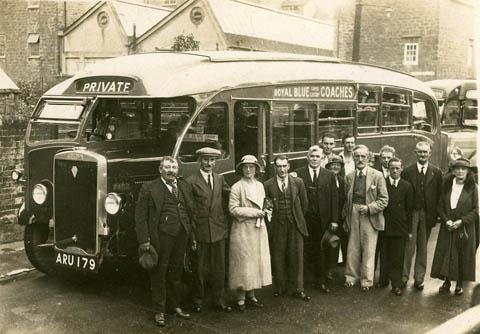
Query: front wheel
pixel 40 254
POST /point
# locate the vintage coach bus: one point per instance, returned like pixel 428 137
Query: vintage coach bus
pixel 95 138
pixel 458 101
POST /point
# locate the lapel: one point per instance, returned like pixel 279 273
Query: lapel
pixel 159 193
pixel 293 188
pixel 252 197
pixel 202 183
pixel 428 174
pixel 370 176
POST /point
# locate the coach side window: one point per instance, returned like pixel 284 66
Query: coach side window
pixel 335 117
pixel 368 109
pixel 423 114
pixel 395 110
pixel 208 129
pixel 293 126
pixel 451 113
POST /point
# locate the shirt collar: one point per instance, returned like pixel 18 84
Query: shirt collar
pixel 205 174
pixel 364 171
pixel 392 181
pixel 419 167
pixel 279 180
pixel 166 183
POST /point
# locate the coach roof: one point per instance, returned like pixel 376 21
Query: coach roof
pixel 169 74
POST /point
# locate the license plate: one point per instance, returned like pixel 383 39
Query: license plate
pixel 78 262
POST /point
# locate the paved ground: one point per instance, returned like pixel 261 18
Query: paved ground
pixel 35 303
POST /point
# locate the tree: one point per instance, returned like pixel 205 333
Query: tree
pixel 185 42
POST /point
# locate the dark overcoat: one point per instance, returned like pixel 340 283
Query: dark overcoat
pixel 299 200
pixel 398 213
pixel 445 260
pixel 210 220
pixel 149 218
pixel 433 188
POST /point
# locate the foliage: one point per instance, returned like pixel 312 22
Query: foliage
pixel 25 101
pixel 185 42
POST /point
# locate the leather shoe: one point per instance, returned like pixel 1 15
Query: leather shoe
pixel 160 319
pixel 240 307
pixel 302 295
pixel 254 303
pixel 197 308
pixel 403 285
pixel 276 294
pixel 365 288
pixel 348 284
pixel 324 288
pixel 181 314
pixel 445 287
pixel 397 291
pixel 418 285
pixel 224 308
pixel 458 290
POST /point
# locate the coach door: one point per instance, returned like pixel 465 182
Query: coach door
pixel 250 129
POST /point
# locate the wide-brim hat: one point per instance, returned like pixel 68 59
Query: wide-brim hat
pixel 334 159
pixel 329 239
pixel 248 159
pixel 148 259
pixel 208 152
pixel 460 162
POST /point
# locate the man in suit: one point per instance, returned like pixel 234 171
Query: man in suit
pixel 398 226
pixel 386 154
pixel 367 197
pixel 288 228
pixel 426 180
pixel 163 220
pixel 211 230
pixel 322 214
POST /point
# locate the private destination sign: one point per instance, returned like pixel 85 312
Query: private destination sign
pixel 105 85
pixel 323 91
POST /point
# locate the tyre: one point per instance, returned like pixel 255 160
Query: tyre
pixel 40 256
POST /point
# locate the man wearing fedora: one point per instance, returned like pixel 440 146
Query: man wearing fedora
pixel 367 197
pixel 426 180
pixel 322 212
pixel 163 220
pixel 288 228
pixel 210 192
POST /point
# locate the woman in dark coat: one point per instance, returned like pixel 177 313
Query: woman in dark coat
pixel 457 242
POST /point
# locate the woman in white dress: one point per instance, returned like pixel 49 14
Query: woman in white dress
pixel 249 256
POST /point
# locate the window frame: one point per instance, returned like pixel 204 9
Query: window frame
pixel 33 42
pixel 3 46
pixel 411 52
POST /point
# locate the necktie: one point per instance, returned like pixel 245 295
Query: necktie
pixel 173 184
pixel 360 174
pixel 210 181
pixel 284 186
pixel 421 171
pixel 314 176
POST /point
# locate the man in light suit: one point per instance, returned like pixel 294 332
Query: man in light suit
pixel 163 220
pixel 288 228
pixel 426 181
pixel 210 192
pixel 322 215
pixel 367 197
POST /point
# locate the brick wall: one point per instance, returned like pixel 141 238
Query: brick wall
pixel 11 193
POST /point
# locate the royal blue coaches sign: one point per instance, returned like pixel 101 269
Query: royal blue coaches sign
pixel 320 91
pixel 105 85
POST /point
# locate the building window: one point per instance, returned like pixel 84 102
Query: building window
pixel 410 54
pixel 2 45
pixel 34 44
pixel 170 3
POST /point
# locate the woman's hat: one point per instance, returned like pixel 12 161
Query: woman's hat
pixel 148 259
pixel 334 159
pixel 460 162
pixel 248 159
pixel 329 239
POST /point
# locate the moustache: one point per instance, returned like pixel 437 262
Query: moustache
pixel 171 174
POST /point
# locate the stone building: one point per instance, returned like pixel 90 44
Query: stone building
pixel 431 39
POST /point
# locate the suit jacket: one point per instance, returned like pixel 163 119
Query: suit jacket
pixel 398 213
pixel 376 198
pixel 210 222
pixel 149 218
pixel 327 194
pixel 341 195
pixel 299 200
pixel 433 189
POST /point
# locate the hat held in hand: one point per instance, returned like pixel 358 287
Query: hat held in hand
pixel 329 239
pixel 148 259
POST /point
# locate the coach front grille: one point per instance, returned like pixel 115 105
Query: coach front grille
pixel 75 204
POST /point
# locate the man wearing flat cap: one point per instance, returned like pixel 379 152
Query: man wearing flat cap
pixel 210 192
